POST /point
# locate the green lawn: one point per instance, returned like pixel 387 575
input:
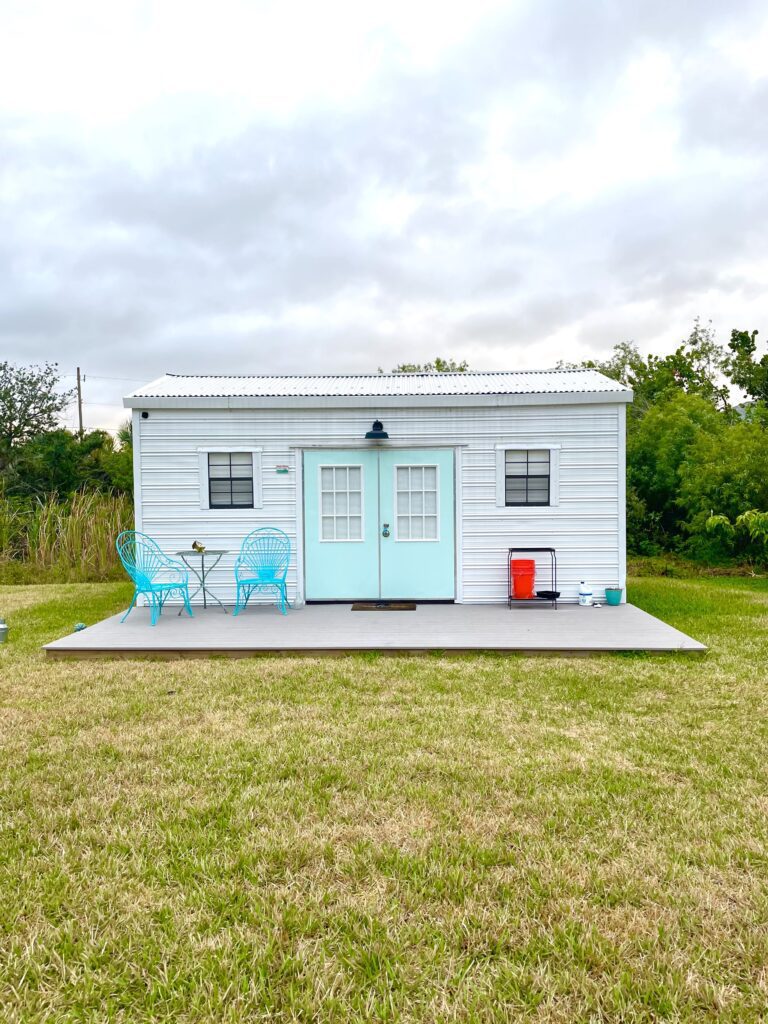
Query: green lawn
pixel 480 838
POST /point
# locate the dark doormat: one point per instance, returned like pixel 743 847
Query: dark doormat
pixel 383 606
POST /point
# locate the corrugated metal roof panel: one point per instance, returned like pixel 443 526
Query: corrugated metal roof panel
pixel 524 382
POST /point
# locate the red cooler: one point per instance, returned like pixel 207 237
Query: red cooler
pixel 523 579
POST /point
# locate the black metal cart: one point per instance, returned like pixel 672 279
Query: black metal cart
pixel 553 577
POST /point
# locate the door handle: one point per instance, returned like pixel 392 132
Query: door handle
pixel 385 530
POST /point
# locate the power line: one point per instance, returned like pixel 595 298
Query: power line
pixel 96 376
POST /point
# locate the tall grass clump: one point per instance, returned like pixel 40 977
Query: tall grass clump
pixel 69 539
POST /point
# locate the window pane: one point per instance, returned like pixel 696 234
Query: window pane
pixel 242 491
pixel 218 464
pixel 430 478
pixel 417 503
pixel 430 502
pixel 538 462
pixel 342 529
pixel 221 492
pixel 354 481
pixel 417 529
pixel 402 478
pixel 341 503
pixel 430 528
pixel 417 478
pixel 403 504
pixel 538 490
pixel 516 462
pixel 326 479
pixel 355 528
pixel 516 492
pixel 403 532
pixel 242 465
pixel 340 478
pixel 327 503
pixel 327 527
pixel 355 504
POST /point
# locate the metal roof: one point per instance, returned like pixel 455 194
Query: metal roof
pixel 523 382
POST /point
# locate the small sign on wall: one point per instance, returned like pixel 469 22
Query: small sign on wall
pixel 281 468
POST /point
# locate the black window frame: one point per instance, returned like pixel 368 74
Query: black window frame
pixel 221 479
pixel 528 476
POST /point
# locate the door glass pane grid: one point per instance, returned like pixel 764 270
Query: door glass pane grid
pixel 341 503
pixel 416 503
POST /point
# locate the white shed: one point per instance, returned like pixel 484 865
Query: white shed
pixel 471 465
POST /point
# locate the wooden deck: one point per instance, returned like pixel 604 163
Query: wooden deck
pixel 335 629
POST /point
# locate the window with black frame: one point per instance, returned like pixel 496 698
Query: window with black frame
pixel 526 476
pixel 230 479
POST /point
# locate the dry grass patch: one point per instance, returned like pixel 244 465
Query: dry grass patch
pixel 413 839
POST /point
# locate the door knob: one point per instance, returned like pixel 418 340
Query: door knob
pixel 385 530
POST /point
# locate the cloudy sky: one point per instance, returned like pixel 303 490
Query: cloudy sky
pixel 302 187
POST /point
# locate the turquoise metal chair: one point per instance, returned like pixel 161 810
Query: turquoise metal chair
pixel 262 565
pixel 154 574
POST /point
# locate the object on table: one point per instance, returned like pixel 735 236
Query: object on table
pixel 197 546
pixel 209 559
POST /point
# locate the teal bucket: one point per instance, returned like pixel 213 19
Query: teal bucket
pixel 613 596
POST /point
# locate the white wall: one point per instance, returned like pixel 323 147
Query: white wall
pixel 586 527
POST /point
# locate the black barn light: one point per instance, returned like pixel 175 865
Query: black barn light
pixel 377 432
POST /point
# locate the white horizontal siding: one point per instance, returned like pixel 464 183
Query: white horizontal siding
pixel 584 527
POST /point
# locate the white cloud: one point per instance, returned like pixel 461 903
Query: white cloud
pixel 282 186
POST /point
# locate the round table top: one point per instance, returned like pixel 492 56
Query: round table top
pixel 208 551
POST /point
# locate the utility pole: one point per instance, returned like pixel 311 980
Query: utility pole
pixel 79 406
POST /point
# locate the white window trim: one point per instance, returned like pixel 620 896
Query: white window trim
pixel 202 464
pixel 416 465
pixel 519 445
pixel 340 540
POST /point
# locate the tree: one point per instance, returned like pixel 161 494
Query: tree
pixel 30 404
pixel 60 462
pixel 747 372
pixel 696 367
pixel 725 472
pixel 752 524
pixel 438 366
pixel 658 448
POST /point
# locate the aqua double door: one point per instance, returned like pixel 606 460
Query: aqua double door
pixel 379 525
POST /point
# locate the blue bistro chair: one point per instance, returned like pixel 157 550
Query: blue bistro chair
pixel 154 574
pixel 262 565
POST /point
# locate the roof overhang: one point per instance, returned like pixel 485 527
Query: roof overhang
pixel 379 401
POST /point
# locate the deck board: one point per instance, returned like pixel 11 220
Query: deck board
pixel 335 628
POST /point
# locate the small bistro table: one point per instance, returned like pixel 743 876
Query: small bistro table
pixel 204 573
